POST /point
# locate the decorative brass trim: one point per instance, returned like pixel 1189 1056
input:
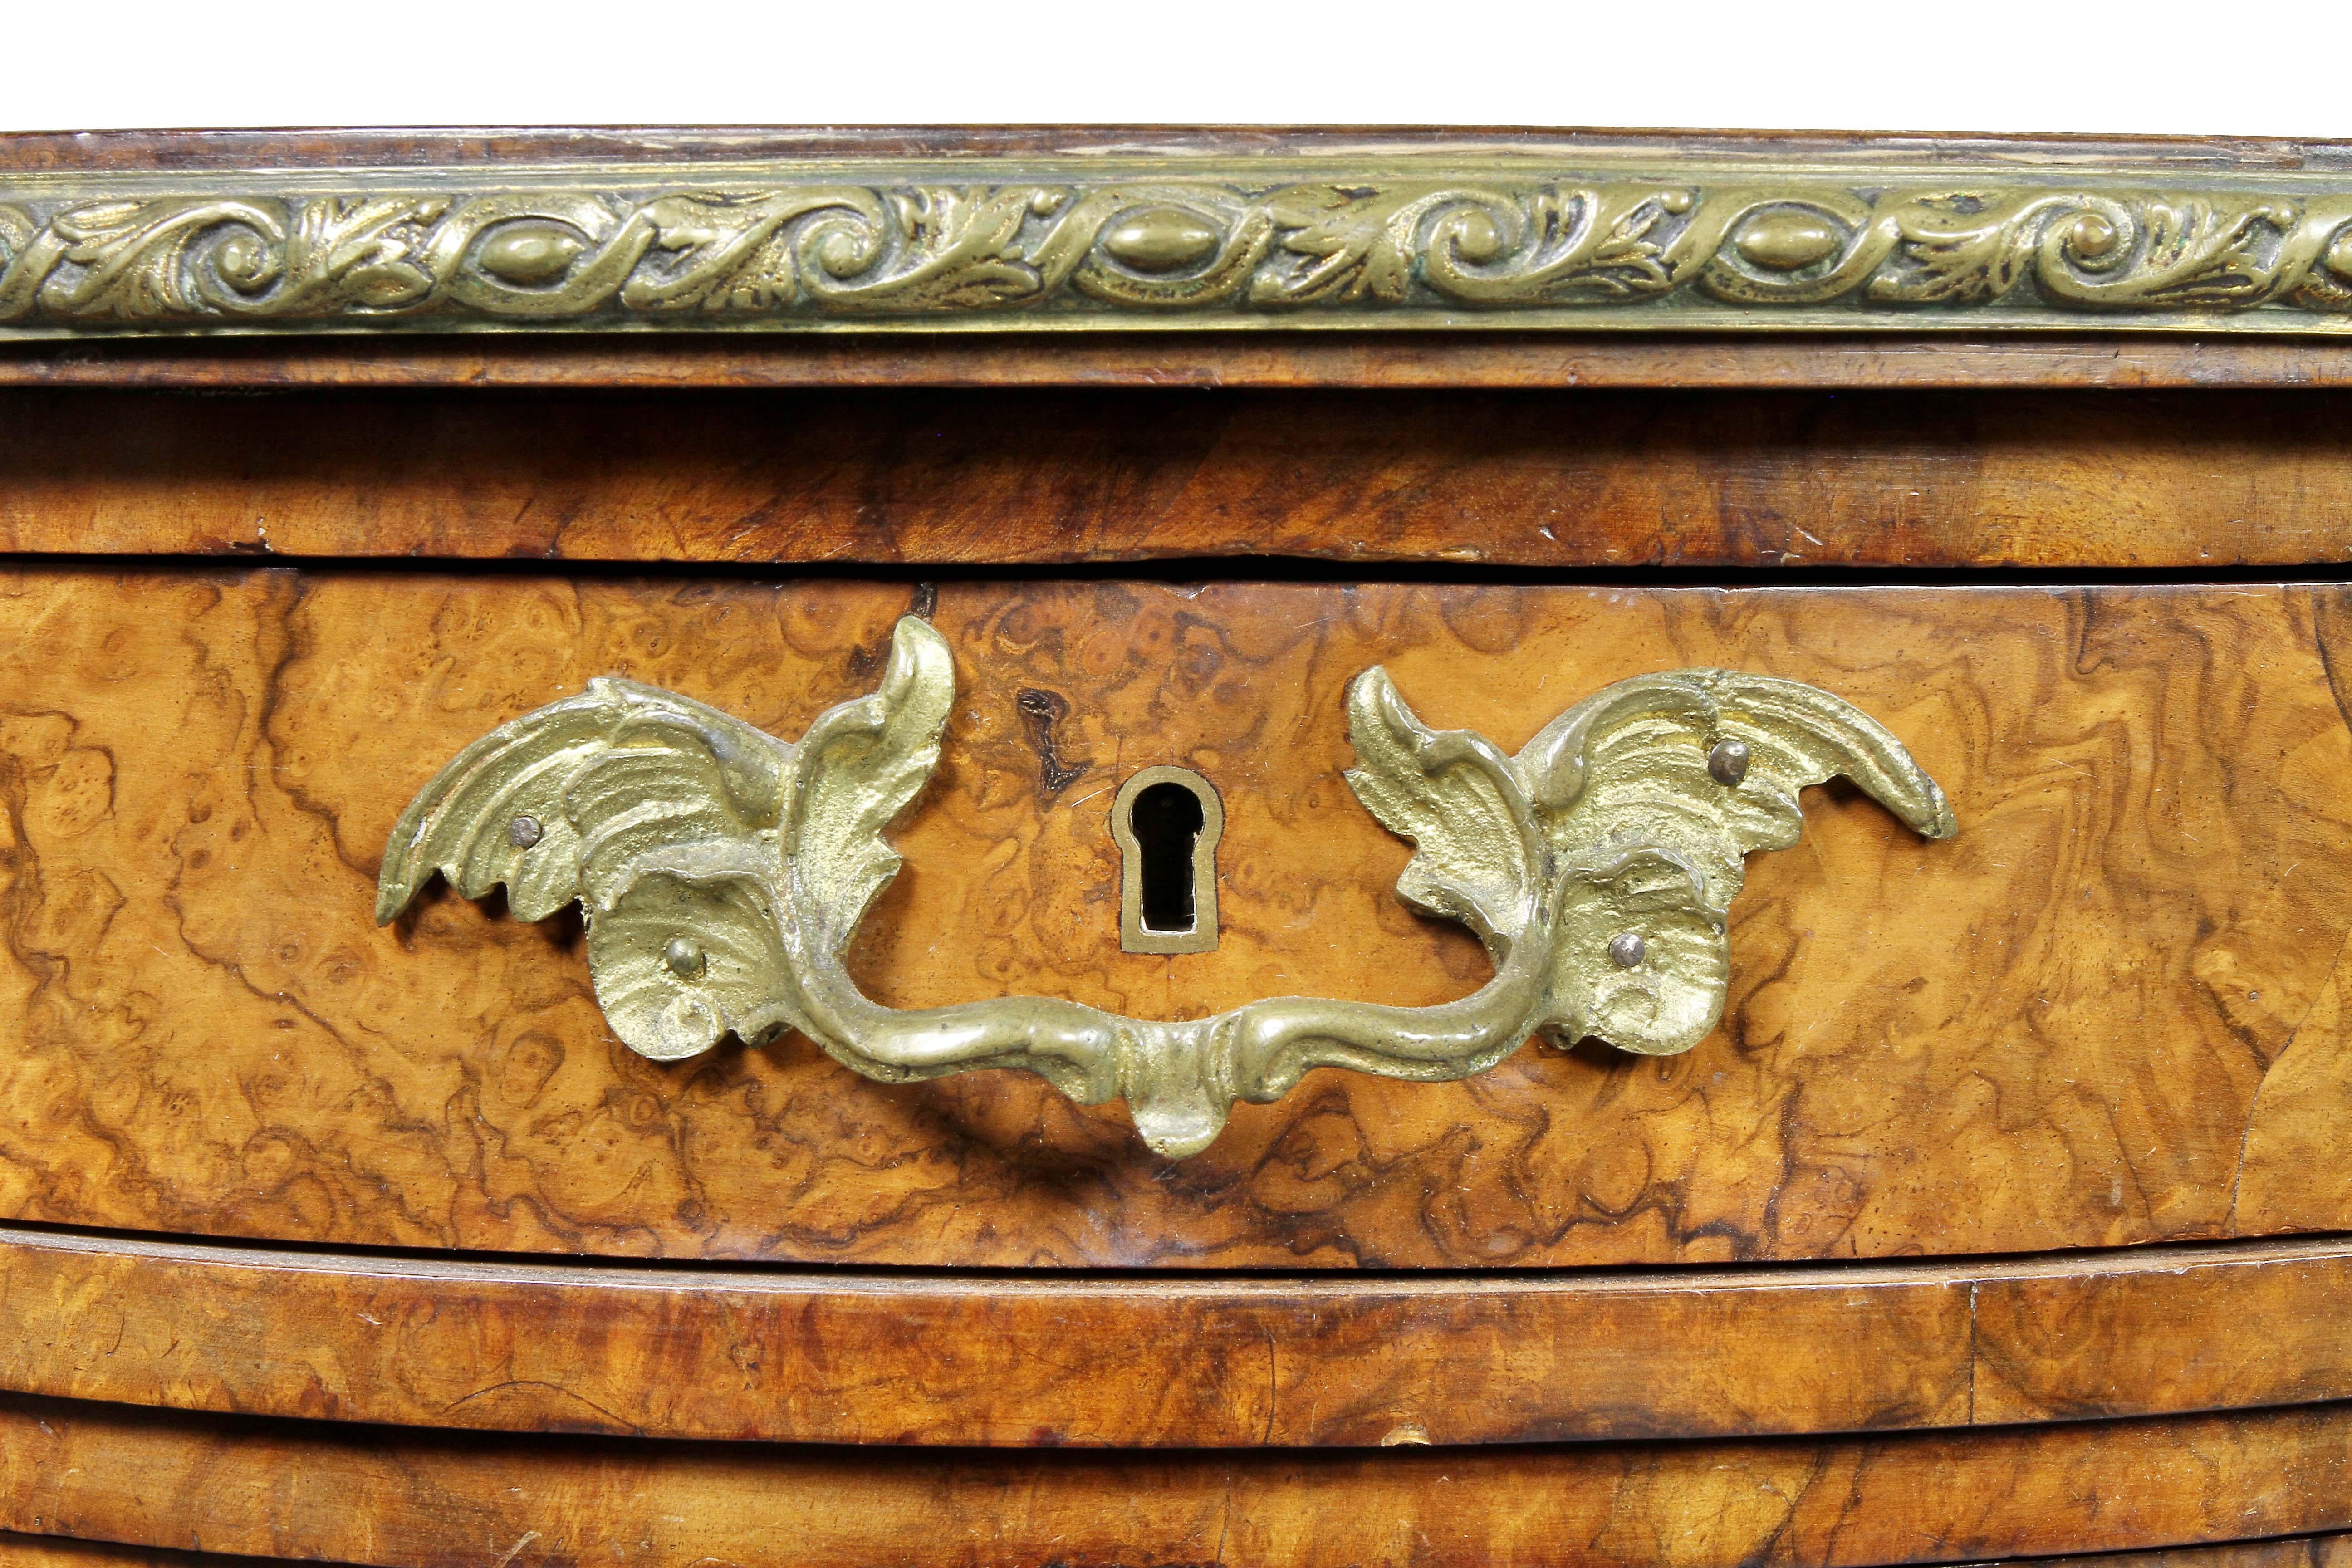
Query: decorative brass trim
pixel 723 872
pixel 1451 235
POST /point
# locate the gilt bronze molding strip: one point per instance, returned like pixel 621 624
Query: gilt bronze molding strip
pixel 1459 235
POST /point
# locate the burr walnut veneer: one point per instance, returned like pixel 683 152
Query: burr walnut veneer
pixel 2004 1213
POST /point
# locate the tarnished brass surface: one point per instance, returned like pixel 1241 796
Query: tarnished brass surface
pixel 1453 233
pixel 722 872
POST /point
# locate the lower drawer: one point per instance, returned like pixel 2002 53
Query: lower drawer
pixel 2108 1011
pixel 314 1491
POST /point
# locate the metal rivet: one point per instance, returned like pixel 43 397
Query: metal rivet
pixel 1626 949
pixel 1727 763
pixel 523 832
pixel 684 957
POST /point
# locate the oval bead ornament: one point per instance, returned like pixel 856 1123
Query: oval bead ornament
pixel 1161 240
pixel 1787 241
pixel 530 253
pixel 723 873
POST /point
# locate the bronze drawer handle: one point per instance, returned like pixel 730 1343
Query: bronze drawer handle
pixel 722 872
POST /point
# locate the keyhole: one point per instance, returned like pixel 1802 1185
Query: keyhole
pixel 1167 822
pixel 1166 819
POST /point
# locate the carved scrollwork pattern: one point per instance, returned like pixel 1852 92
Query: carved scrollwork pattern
pixel 1177 251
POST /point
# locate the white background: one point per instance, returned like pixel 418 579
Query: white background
pixel 2143 65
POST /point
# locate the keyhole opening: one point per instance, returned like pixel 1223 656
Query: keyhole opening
pixel 1166 819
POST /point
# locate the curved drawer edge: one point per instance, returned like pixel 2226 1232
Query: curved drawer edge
pixel 725 1352
pixel 2329 1550
pixel 426 1499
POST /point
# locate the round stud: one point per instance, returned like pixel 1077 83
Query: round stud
pixel 841 256
pixel 246 261
pixel 684 957
pixel 1478 237
pixel 1627 950
pixel 524 831
pixel 1675 201
pixel 1727 763
pixel 2092 236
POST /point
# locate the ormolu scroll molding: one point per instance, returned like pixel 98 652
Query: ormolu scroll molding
pixel 723 872
pixel 1459 233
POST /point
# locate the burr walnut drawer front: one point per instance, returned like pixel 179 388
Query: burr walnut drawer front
pixel 2102 1011
pixel 338 1143
pixel 2050 971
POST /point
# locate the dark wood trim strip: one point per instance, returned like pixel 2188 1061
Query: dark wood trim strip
pixel 1371 358
pixel 1393 482
pixel 1117 1361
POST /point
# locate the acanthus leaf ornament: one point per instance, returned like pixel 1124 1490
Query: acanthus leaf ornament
pixel 1122 240
pixel 723 873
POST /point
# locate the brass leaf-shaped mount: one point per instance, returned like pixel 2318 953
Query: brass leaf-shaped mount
pixel 723 872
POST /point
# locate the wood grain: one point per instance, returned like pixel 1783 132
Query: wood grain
pixel 1490 359
pixel 946 1358
pixel 423 1499
pixel 2051 1031
pixel 2168 1330
pixel 963 478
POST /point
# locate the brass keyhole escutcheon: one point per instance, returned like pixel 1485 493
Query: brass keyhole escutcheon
pixel 1167 820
